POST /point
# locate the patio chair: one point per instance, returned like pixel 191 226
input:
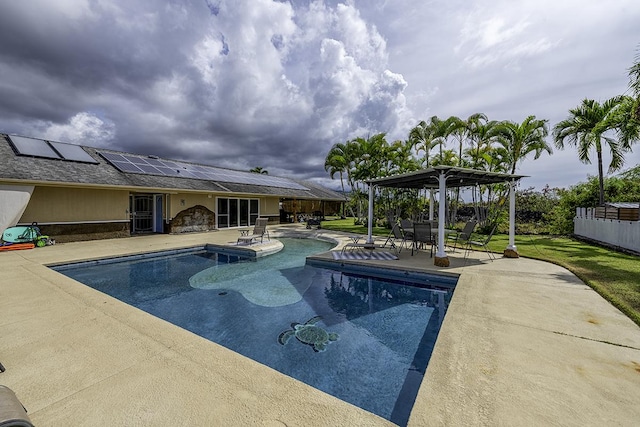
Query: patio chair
pixel 481 243
pixel 463 236
pixel 407 228
pixel 259 231
pixel 422 236
pixel 396 235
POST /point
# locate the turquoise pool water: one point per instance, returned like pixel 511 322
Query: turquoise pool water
pixel 364 339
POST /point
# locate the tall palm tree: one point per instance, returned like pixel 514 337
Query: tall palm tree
pixel 371 156
pixel 400 158
pixel 421 139
pixel 337 161
pixel 634 76
pixel 479 132
pixel 522 139
pixel 440 132
pixel 585 128
pixel 459 131
pixel 628 118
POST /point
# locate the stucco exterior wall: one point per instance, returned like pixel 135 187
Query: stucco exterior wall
pixel 56 204
pixel 270 206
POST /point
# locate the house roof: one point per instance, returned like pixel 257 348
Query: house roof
pixel 456 177
pixel 16 167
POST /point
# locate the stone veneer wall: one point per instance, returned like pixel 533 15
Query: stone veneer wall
pixel 196 218
pixel 64 233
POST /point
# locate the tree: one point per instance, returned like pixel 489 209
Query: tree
pixel 620 188
pixel 627 119
pixel 476 130
pixel 634 76
pixel 460 131
pixel 258 169
pixel 522 139
pixel 421 139
pixel 440 131
pixel 585 129
pixel 338 161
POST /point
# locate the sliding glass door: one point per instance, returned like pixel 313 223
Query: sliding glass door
pixel 236 212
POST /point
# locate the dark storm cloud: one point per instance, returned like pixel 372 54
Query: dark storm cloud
pixel 275 83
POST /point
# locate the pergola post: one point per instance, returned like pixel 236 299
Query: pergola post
pixel 511 251
pixel 441 259
pixel 370 219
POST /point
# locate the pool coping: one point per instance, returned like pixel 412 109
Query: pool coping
pixel 523 342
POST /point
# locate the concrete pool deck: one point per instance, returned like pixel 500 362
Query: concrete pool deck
pixel 524 342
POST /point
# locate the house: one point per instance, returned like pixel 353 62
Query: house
pixel 78 192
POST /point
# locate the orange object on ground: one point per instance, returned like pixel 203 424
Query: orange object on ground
pixel 17 246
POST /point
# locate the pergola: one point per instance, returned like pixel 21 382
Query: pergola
pixel 441 178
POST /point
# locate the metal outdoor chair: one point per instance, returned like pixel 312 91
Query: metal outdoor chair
pixel 407 228
pixel 396 235
pixel 463 236
pixel 422 236
pixel 482 244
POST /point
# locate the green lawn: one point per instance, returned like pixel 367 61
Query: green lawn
pixel 614 275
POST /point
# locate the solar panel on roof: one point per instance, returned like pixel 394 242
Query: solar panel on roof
pixel 72 152
pixel 33 147
pixel 113 156
pixel 126 166
pixel 167 171
pixel 137 160
pixel 149 169
pixel 155 162
pixel 139 164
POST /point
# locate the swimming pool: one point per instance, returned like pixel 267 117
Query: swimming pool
pixel 364 339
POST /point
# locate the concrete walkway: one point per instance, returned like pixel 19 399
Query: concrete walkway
pixel 523 343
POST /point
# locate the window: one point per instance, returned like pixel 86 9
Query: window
pixel 237 212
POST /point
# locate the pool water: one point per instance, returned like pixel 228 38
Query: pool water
pixel 360 338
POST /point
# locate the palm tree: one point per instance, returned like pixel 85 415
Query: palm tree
pixel 634 76
pixel 441 130
pixel 479 132
pixel 446 158
pixel 421 138
pixel 521 139
pixel 337 161
pixel 585 129
pixel 371 156
pixel 459 130
pixel 258 169
pixel 628 117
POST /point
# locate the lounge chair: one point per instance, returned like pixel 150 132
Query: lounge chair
pixel 358 244
pixel 463 236
pixel 422 236
pixel 12 413
pixel 259 231
pixel 481 243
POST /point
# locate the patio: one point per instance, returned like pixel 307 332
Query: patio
pixel 524 343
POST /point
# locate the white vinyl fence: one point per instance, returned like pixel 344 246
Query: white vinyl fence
pixel 613 232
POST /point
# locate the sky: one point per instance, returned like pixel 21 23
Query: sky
pixel 274 84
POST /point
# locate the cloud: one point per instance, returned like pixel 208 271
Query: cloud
pixel 276 83
pixel 81 128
